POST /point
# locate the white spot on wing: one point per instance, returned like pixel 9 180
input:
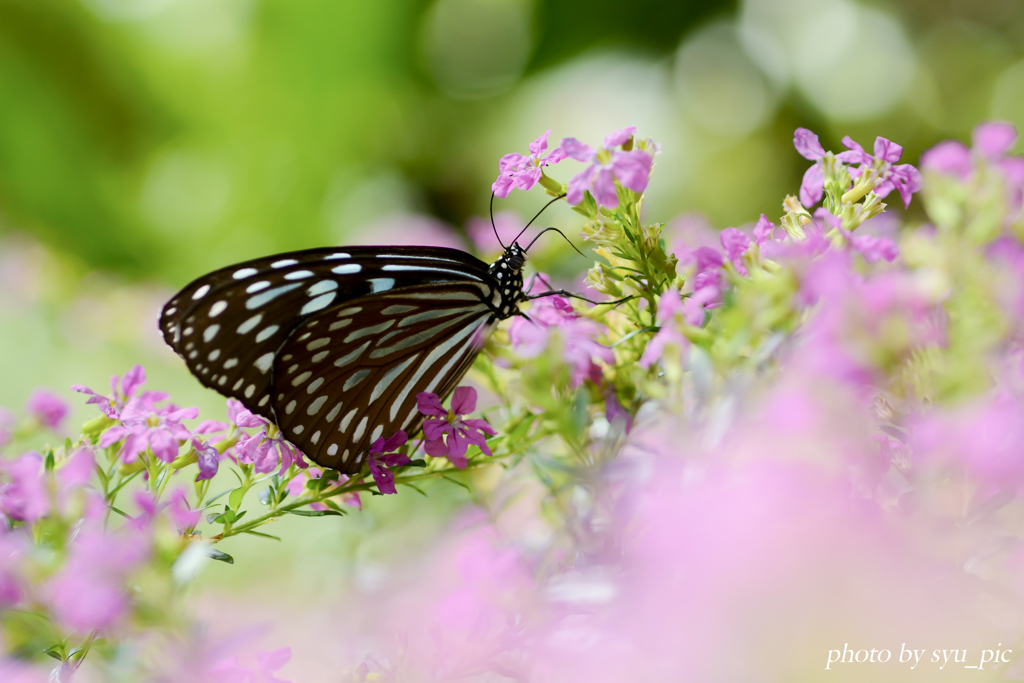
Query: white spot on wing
pixel 397 309
pixel 332 449
pixel 301 378
pixel 283 263
pixel 265 361
pixel 267 332
pixel 218 308
pixel 314 385
pixel 230 363
pixel 361 428
pixel 318 343
pixel 250 390
pixel 334 412
pixel 250 324
pixel 334 256
pixel 290 408
pixel 210 332
pixel 322 287
pixel 389 377
pixel 351 356
pixel 201 292
pixel 355 379
pixel 347 269
pixel 381 284
pixel 316 405
pixel 340 324
pixel 346 420
pixel 257 286
pixel 214 355
pixel 377 431
pixel 366 331
pixel 321 302
pixel 268 296
pixel 299 275
pixel 315 437
pixel 243 273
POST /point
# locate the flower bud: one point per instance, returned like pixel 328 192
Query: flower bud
pixel 604 231
pixel 553 187
pixel 602 279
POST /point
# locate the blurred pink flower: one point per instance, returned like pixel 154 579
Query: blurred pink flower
pixel 735 243
pixel 112 405
pixel 407 229
pixel 447 433
pixel 144 425
pixel 13 546
pixel 24 497
pixel 15 671
pixel 271 662
pixel 763 230
pixel 987 436
pixel 523 172
pixel 89 592
pixel 632 169
pixel 555 315
pixel 207 460
pixel 382 456
pixel 672 311
pixel 615 413
pixel 47 408
pixel 481 234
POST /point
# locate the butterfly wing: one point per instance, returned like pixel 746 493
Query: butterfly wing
pixel 350 375
pixel 229 325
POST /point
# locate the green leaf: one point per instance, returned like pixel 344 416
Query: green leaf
pixel 221 557
pixel 261 534
pixel 334 506
pixel 114 509
pixel 415 488
pixel 49 461
pixel 416 463
pixel 56 651
pixel 457 482
pixel 235 499
pixel 315 513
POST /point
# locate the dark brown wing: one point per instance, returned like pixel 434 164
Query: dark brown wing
pixel 229 325
pixel 350 375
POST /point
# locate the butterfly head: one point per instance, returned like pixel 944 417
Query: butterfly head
pixel 515 257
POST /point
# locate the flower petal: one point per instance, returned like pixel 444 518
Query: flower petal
pixel 887 150
pixel 763 230
pixel 540 144
pixel 604 188
pixel 580 183
pixel 430 404
pixel 464 400
pixel 812 187
pixel 950 157
pixel 577 150
pixel 633 168
pixel 619 137
pixel 994 139
pixel 807 144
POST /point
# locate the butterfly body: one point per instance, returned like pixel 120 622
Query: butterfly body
pixel 333 345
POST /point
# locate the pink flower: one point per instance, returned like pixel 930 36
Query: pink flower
pixel 615 413
pixel 270 662
pixel 448 434
pixel 47 408
pixel 207 459
pixel 111 405
pixel 516 170
pixel 872 248
pixel 992 141
pixel 481 234
pixel 12 548
pixel 143 426
pixel 903 178
pixel 672 310
pixel 382 456
pixel 261 450
pixel 632 169
pixel 735 243
pixel 24 498
pixel 89 593
pixel 763 231
pixel 580 350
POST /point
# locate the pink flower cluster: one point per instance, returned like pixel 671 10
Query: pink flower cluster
pixel 887 177
pixel 606 165
pixel 554 316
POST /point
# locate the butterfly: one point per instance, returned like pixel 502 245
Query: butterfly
pixel 334 344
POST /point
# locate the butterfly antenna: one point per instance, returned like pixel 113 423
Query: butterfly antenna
pixel 560 233
pixel 493 226
pixel 561 196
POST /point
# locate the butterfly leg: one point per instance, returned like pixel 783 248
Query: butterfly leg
pixel 570 295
